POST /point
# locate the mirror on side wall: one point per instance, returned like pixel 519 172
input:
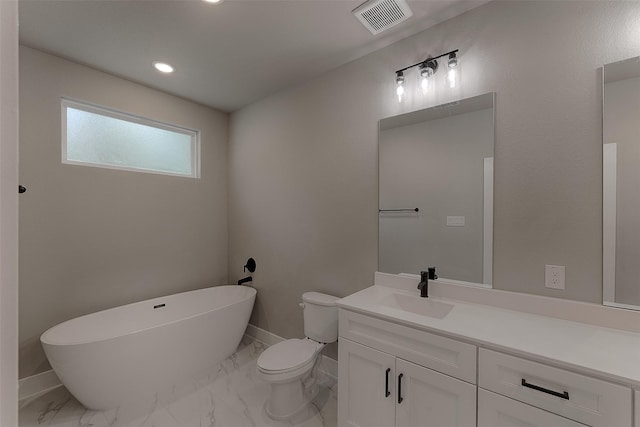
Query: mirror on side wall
pixel 436 191
pixel 621 179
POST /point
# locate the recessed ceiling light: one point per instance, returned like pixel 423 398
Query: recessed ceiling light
pixel 163 67
pixel 214 1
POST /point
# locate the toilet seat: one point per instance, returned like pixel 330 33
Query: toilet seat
pixel 289 356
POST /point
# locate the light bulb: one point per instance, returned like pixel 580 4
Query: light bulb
pixel 426 70
pixel 452 76
pixel 400 87
pixel 424 84
pixel 400 92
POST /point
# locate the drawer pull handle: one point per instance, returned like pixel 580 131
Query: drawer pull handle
pixel 387 393
pixel 400 399
pixel 563 395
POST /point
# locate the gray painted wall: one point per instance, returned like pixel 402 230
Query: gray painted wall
pixel 437 166
pixel 303 166
pixel 621 126
pixel 92 238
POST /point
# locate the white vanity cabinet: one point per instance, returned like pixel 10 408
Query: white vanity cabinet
pixel 380 388
pixel 396 375
pixel 516 368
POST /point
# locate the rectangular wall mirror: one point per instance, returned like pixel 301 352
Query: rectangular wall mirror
pixel 621 178
pixel 436 191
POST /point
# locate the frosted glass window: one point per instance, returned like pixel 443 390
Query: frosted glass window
pixel 99 137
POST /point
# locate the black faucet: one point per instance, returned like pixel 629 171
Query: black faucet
pixel 245 280
pixel 424 281
pixel 251 266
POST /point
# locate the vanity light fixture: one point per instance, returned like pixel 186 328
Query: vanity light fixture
pixel 426 70
pixel 163 67
pixel 213 1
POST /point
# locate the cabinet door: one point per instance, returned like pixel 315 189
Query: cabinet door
pixel 499 411
pixel 366 390
pixel 427 398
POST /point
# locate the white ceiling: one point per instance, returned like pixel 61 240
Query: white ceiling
pixel 226 55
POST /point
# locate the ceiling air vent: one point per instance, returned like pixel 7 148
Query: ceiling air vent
pixel 380 15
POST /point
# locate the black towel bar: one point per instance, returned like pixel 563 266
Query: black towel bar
pixel 399 210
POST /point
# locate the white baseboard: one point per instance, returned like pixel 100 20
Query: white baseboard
pixel 328 365
pixel 265 337
pixel 30 388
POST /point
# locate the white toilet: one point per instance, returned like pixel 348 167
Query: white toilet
pixel 288 365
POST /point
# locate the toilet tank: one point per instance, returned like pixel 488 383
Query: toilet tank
pixel 320 316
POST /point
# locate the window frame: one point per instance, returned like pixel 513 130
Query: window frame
pixel 194 134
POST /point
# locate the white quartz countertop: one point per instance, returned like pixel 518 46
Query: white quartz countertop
pixel 603 352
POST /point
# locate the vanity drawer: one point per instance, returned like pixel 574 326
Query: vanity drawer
pixel 587 400
pixel 499 411
pixel 441 354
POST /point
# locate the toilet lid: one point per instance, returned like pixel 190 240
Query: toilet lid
pixel 289 354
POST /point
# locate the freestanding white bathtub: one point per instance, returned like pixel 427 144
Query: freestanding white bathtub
pixel 122 354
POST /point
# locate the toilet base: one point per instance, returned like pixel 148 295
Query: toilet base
pixel 288 399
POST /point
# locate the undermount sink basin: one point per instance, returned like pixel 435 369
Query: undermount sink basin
pixel 415 304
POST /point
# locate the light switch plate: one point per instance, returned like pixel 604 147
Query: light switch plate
pixel 455 221
pixel 554 276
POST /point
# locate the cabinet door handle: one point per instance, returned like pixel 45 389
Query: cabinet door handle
pixel 400 399
pixel 563 395
pixel 387 393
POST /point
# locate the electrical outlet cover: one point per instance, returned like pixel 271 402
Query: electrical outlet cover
pixel 554 276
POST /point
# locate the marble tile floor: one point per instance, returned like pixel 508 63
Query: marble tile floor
pixel 229 395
